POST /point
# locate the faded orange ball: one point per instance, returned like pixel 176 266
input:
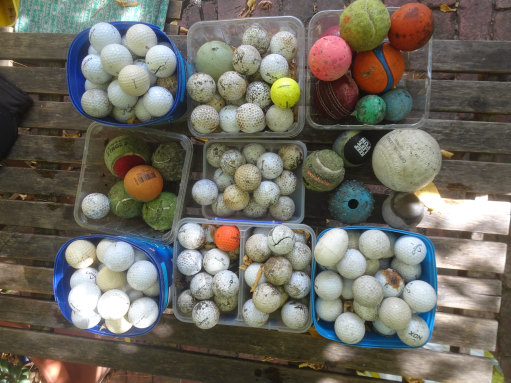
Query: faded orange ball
pixel 143 182
pixel 227 238
pixel 411 27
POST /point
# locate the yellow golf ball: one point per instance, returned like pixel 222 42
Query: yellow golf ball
pixel 285 92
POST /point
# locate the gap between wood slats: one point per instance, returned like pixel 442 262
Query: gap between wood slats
pixel 454 330
pixel 156 360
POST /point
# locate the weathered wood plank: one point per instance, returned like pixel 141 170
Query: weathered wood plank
pixel 157 360
pixel 26 278
pixel 175 10
pixel 38 181
pixel 469 293
pixel 48 148
pixel 37 79
pixel 30 246
pixel 47 215
pixel 51 114
pixel 466 254
pixel 455 330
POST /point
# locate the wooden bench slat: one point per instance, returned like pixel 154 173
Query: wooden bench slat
pixel 30 246
pixel 52 114
pixel 466 254
pixel 48 149
pixel 158 361
pixel 38 181
pixel 28 279
pixel 469 293
pixel 37 80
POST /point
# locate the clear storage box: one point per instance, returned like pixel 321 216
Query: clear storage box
pixel 298 196
pixel 416 80
pixel 234 318
pixel 96 178
pixel 231 32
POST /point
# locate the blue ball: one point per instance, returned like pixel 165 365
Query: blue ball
pixel 399 104
pixel 352 202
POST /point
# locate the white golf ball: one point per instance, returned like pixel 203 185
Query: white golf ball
pixel 158 101
pixel 80 253
pixel 102 34
pixel 140 38
pixel 93 70
pixel 142 275
pixel 95 205
pixel 95 103
pixel 85 322
pixel 113 304
pixel 134 80
pixel 141 112
pixel 101 247
pixel 87 274
pixel 161 61
pixel 118 326
pixel 119 256
pixel 123 115
pixel 83 298
pixel 204 192
pixel 119 98
pixel 114 57
pixel 152 78
pixel 90 85
pixel 143 312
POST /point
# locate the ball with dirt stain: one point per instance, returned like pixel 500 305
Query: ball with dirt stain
pixel 411 26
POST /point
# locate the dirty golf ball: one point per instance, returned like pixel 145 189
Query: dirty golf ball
pixel 285 92
pixel 95 103
pixel 204 192
pixel 95 206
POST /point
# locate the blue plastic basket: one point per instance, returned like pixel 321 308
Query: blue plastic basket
pixel 76 81
pixel 373 339
pixel 159 254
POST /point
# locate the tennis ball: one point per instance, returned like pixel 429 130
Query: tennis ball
pixel 364 24
pixel 285 92
pixel 124 152
pixel 143 182
pixel 121 203
pixel 169 160
pixel 227 237
pixel 159 213
pixel 323 170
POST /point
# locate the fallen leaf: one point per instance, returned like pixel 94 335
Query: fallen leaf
pixel 446 154
pixel 446 8
pixel 314 366
pixel 430 197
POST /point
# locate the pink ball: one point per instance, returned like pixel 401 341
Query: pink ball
pixel 329 58
pixel 332 31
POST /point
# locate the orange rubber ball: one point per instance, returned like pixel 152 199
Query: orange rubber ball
pixel 227 237
pixel 411 26
pixel 143 182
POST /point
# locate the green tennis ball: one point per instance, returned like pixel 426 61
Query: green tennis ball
pixel 159 213
pixel 169 160
pixel 121 203
pixel 323 170
pixel 364 24
pixel 124 152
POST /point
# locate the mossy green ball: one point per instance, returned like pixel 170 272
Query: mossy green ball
pixel 370 109
pixel 159 213
pixel 364 24
pixel 121 203
pixel 169 160
pixel 323 170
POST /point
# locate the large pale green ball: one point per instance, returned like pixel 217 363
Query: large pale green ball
pixel 214 58
pixel 364 24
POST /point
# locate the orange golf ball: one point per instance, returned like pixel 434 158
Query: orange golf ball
pixel 227 238
pixel 143 182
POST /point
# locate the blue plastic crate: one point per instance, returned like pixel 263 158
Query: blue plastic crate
pixel 76 81
pixel 373 339
pixel 159 254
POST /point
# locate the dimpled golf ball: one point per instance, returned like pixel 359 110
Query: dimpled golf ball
pixel 119 256
pixel 279 119
pixel 123 115
pixel 114 57
pixel 250 118
pixel 273 67
pixel 231 86
pixel 119 98
pixel 80 253
pixel 93 71
pixel 284 43
pixel 142 275
pixel 83 298
pixel 140 38
pixel 227 117
pixel 201 87
pixel 270 164
pixel 102 34
pixel 95 103
pixel 141 112
pixel 285 92
pixel 204 192
pixel 258 37
pixel 204 119
pixel 95 206
pixel 86 274
pixel 158 101
pixel 85 321
pixel 161 61
pixel 143 312
pixel 113 304
pixel 246 59
pixel 152 78
pixel 258 92
pixel 134 80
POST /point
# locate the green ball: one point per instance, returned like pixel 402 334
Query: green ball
pixel 124 152
pixel 159 213
pixel 169 160
pixel 370 109
pixel 323 170
pixel 214 58
pixel 121 203
pixel 364 24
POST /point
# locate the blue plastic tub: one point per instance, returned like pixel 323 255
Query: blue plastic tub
pixel 76 81
pixel 373 339
pixel 159 254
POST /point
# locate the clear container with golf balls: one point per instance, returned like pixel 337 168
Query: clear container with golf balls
pixel 295 198
pixel 95 177
pixel 229 34
pixel 83 281
pixel 416 80
pixel 183 300
pixel 425 271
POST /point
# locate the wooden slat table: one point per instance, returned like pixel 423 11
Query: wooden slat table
pixel 38 182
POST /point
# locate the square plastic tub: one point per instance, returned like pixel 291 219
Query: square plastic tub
pixel 76 81
pixel 373 339
pixel 231 32
pixel 298 196
pixel 159 255
pixel 416 79
pixel 96 178
pixel 234 318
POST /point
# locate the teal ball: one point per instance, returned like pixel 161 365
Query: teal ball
pixel 353 147
pixel 351 203
pixel 370 109
pixel 398 103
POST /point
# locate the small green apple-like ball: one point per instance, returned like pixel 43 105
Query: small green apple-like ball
pixel 323 170
pixel 169 160
pixel 214 58
pixel 159 213
pixel 121 203
pixel 370 109
pixel 364 24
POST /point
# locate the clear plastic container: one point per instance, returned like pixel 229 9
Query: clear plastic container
pixel 373 339
pixel 231 32
pixel 298 196
pixel 416 80
pixel 234 318
pixel 96 178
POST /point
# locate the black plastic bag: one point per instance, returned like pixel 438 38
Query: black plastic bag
pixel 13 104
